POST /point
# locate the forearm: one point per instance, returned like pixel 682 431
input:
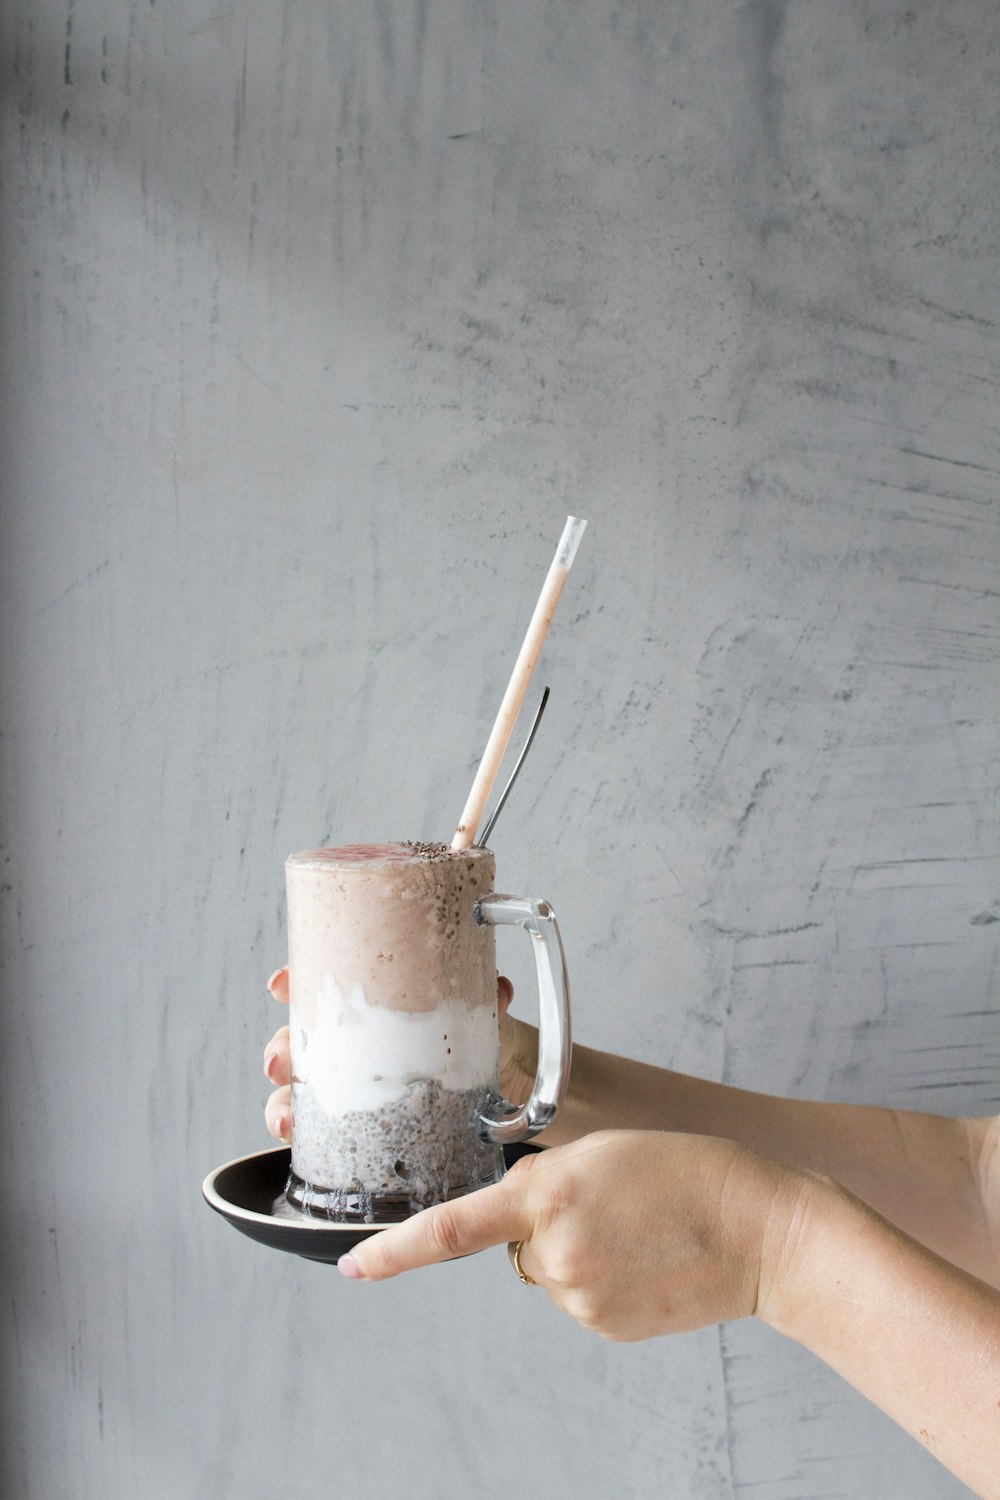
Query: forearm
pixel 918 1170
pixel 913 1334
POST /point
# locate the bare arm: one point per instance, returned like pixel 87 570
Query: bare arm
pixel 930 1175
pixel 718 1232
pixel 741 1203
pixel 916 1336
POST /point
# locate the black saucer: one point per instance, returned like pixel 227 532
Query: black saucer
pixel 244 1192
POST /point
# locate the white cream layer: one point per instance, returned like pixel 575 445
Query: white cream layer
pixel 362 1056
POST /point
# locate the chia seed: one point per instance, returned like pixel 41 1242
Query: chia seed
pixel 424 850
pixel 381 1165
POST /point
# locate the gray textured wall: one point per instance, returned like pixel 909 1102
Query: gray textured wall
pixel 317 319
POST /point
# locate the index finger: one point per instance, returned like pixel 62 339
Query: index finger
pixel 492 1215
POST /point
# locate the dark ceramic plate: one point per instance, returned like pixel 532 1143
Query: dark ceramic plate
pixel 245 1191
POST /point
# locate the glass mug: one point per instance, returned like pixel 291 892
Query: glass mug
pixel 393 1028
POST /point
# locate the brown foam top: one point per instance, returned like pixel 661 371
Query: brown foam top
pixel 369 854
pixel 352 854
pixel 397 919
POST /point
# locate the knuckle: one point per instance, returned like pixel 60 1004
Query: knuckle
pixel 579 1307
pixel 566 1262
pixel 596 1314
pixel 444 1232
pixel 604 1138
pixel 559 1203
pixel 522 1166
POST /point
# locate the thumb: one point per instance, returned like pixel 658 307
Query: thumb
pixel 490 1216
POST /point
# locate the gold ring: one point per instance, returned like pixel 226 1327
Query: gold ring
pixel 514 1256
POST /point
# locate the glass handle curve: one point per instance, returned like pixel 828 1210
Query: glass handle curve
pixel 503 1122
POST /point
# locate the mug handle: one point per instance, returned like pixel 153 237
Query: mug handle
pixel 502 1122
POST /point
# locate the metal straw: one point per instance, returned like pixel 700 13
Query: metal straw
pixel 481 841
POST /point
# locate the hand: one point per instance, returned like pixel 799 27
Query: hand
pixel 278 1068
pixel 518 1057
pixel 633 1233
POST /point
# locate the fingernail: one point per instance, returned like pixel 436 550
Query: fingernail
pixel 279 1126
pixel 348 1266
pixel 270 1058
pixel 274 979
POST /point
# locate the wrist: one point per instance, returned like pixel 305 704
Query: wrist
pixel 791 1247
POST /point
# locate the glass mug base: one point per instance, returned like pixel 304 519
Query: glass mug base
pixel 354 1205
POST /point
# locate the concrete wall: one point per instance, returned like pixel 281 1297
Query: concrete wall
pixel 317 320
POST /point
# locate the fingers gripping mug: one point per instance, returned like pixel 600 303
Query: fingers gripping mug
pixel 393 1027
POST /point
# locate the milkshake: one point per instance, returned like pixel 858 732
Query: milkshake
pixel 393 1028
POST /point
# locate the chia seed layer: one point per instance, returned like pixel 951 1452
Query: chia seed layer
pixel 387 1163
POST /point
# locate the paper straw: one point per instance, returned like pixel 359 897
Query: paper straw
pixel 520 677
